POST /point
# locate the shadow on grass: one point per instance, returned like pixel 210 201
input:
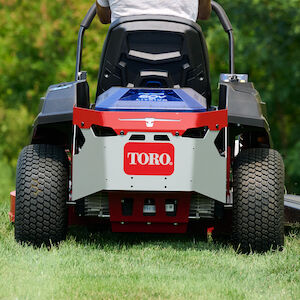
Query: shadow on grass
pixel 105 238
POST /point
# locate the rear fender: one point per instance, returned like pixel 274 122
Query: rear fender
pixel 247 114
pixel 54 122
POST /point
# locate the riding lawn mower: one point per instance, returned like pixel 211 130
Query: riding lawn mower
pixel 152 154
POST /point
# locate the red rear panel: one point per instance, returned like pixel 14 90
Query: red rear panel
pixel 160 222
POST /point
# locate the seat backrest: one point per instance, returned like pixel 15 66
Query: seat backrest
pixel 155 51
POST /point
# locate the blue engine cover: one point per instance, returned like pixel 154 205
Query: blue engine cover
pixel 145 99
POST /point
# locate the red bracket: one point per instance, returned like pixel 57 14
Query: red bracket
pixel 12 206
pixel 138 222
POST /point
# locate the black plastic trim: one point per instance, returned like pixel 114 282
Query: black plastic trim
pixel 220 12
pixel 86 22
pixel 242 120
pixel 55 118
pixel 244 104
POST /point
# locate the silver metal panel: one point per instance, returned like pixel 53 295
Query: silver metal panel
pixel 292 201
pixel 198 167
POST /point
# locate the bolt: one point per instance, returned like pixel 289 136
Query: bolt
pixel 122 132
pixel 217 126
pixel 177 133
pixel 148 223
pixel 82 124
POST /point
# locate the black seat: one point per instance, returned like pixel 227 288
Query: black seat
pixel 155 51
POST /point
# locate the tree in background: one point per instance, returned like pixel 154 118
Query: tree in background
pixel 38 44
pixel 267 36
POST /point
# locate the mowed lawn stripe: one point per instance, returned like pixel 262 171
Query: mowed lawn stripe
pixel 127 266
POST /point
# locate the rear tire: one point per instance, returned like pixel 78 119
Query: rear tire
pixel 41 195
pixel 258 200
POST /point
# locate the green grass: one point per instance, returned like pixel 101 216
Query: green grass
pixel 114 266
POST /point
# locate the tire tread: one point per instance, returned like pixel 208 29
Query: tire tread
pixel 41 194
pixel 258 200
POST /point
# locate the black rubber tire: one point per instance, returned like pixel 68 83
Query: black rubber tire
pixel 41 195
pixel 258 200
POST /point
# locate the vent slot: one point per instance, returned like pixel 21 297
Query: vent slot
pixel 137 137
pixel 96 205
pixel 196 133
pixel 220 142
pixel 103 131
pixel 161 137
pixel 80 140
pixel 201 207
pixel 127 206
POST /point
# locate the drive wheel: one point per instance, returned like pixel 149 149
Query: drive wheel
pixel 258 195
pixel 41 195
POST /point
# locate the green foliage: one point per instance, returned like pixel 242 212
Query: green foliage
pixel 38 46
pixel 6 182
pixel 14 130
pixel 267 35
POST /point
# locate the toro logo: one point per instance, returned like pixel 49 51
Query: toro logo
pixel 149 159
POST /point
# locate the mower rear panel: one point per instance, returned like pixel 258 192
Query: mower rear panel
pixel 151 156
